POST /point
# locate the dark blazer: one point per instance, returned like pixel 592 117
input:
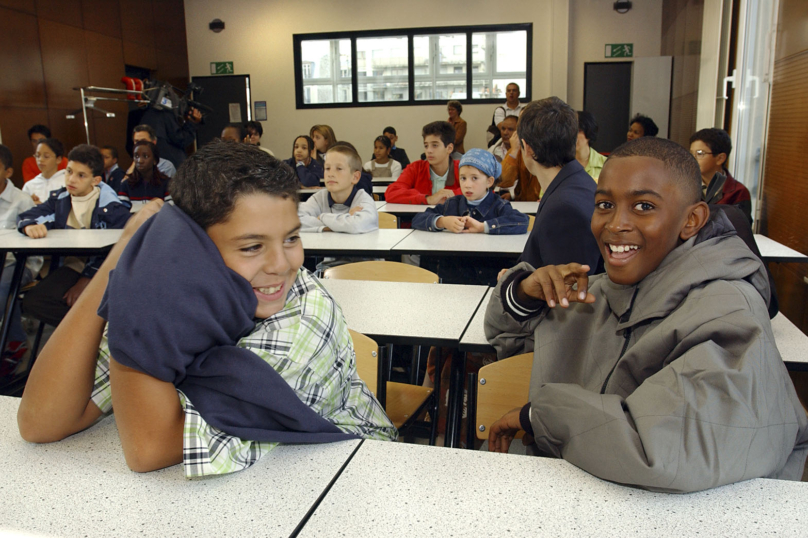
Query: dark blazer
pixel 501 217
pixel 561 233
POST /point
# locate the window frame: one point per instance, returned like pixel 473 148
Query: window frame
pixel 410 33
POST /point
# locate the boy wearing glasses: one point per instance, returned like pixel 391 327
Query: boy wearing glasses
pixel 711 148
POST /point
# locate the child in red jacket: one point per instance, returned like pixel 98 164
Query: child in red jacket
pixel 434 180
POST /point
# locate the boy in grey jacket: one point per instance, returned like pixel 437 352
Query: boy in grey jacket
pixel 343 206
pixel 665 375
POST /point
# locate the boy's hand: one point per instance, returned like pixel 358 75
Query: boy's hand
pixel 501 274
pixel 137 220
pixel 553 284
pixel 451 224
pixel 36 231
pixel 439 197
pixel 355 210
pixel 503 431
pixel 515 145
pixel 36 199
pixel 74 293
pixel 473 226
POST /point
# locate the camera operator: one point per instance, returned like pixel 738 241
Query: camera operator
pixel 173 135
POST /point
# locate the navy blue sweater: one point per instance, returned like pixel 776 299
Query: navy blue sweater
pixel 501 217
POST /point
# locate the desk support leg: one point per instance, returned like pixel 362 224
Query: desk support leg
pixel 471 411
pixel 435 413
pixel 13 290
pixel 455 407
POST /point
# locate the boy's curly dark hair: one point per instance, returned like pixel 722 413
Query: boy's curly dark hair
pixel 210 181
pixel 89 156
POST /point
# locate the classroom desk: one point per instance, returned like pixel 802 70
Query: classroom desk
pixel 528 208
pixel 57 243
pixel 404 313
pixel 473 339
pixel 772 251
pixel 82 487
pixel 306 192
pixel 396 489
pixel 375 244
pixel 450 244
pixel 380 205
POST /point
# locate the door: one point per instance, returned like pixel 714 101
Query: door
pixel 749 87
pixel 229 97
pixel 607 95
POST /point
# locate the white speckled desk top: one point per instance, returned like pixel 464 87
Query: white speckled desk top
pixel 82 487
pixel 475 335
pixel 376 243
pixel 403 312
pixel 771 250
pixel 395 489
pixel 61 241
pixel 446 243
pixel 380 205
pixel 792 342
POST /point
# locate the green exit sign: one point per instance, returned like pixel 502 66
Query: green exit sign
pixel 221 68
pixel 620 50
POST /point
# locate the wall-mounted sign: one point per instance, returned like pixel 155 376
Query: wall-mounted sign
pixel 221 68
pixel 620 50
pixel 260 110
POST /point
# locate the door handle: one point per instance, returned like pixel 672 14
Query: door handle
pixel 752 78
pixel 729 79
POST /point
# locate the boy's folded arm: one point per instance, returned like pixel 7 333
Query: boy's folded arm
pixel 509 333
pixel 366 220
pixel 720 413
pixel 150 418
pixel 509 222
pixel 428 219
pixel 44 213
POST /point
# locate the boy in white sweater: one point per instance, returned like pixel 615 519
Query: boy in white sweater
pixel 343 206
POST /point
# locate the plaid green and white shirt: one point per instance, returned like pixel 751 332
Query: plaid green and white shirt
pixel 308 344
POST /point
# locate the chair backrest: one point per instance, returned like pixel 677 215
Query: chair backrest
pixel 530 222
pixel 387 220
pixel 381 272
pixel 502 386
pixel 367 359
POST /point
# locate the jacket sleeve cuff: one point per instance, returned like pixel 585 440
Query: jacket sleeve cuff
pixel 520 306
pixel 524 419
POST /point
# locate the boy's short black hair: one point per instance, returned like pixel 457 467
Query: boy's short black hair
pixel 716 139
pixel 39 129
pixel 89 156
pixel 256 126
pixel 550 128
pixel 143 128
pixel 588 125
pixel 441 129
pixel 242 131
pixel 678 161
pixel 391 130
pixel 5 157
pixel 649 128
pixel 55 146
pixel 112 150
pixel 210 181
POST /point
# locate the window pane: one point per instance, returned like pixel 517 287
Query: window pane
pixel 498 58
pixel 382 69
pixel 440 67
pixel 326 68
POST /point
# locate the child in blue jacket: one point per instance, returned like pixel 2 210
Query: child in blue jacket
pixel 85 202
pixel 477 210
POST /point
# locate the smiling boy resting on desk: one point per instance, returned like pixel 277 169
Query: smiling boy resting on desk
pixel 233 349
pixel 665 375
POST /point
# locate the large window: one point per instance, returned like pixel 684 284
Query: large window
pixel 412 66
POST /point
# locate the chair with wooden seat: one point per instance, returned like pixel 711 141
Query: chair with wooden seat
pixel 387 221
pixel 381 272
pixel 531 220
pixel 501 387
pixel 403 403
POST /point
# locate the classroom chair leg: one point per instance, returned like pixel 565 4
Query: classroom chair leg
pixel 435 411
pixel 415 367
pixel 455 407
pixel 471 411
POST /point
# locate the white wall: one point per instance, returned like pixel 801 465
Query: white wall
pixel 594 23
pixel 258 38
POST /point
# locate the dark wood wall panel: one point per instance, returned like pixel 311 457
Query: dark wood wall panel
pixel 28 6
pixel 138 21
pixel 48 47
pixel 21 79
pixel 64 60
pixel 785 189
pixel 102 16
pixel 15 122
pixel 61 11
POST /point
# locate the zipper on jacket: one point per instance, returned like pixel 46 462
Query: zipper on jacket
pixel 626 338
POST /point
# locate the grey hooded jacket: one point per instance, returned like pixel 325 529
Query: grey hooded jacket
pixel 672 384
